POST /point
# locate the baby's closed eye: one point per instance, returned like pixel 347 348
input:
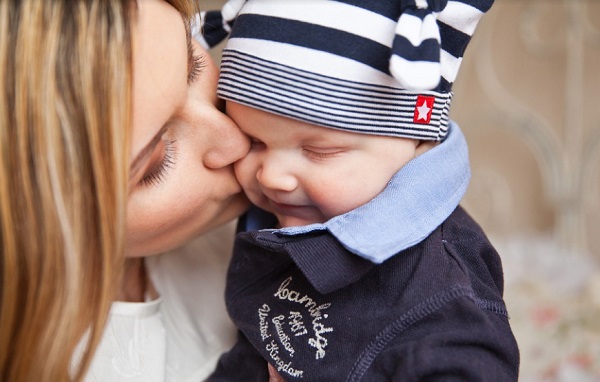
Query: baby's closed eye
pixel 322 152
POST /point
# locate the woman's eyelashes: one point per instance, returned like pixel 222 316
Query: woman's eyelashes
pixel 157 172
pixel 198 66
pixel 196 63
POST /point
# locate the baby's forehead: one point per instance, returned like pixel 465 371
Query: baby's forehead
pixel 305 133
pixel 278 129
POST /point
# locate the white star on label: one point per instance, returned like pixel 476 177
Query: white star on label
pixel 423 110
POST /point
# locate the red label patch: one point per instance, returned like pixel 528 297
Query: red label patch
pixel 423 109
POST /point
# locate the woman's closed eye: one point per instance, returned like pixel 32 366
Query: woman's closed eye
pixel 196 61
pixel 162 160
pixel 197 64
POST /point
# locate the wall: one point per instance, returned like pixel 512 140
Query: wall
pixel 527 99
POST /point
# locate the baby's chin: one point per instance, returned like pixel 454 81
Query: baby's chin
pixel 294 221
pixel 289 215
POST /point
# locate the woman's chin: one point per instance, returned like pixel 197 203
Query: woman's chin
pixel 238 204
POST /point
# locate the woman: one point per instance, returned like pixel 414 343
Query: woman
pixel 80 190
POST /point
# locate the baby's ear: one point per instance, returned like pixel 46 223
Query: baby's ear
pixel 211 27
pixel 423 146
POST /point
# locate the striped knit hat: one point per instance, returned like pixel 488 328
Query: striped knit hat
pixel 369 66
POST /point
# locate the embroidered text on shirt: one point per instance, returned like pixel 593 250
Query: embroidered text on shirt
pixel 294 325
pixel 319 341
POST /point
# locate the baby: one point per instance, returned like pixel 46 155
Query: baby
pixel 357 262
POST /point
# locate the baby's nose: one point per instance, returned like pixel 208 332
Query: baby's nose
pixel 275 173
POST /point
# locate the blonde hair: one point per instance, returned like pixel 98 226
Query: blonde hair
pixel 65 116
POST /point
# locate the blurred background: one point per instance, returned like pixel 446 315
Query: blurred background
pixel 528 100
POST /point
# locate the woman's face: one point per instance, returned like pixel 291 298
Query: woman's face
pixel 182 182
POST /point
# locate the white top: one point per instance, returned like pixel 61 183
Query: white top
pixel 180 336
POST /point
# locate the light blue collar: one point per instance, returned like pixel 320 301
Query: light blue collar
pixel 417 200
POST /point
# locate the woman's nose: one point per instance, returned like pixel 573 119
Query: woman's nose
pixel 275 173
pixel 228 145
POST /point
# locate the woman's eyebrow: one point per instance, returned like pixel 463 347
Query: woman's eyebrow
pixel 139 160
pixel 190 47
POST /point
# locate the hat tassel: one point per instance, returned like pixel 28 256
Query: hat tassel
pixel 415 60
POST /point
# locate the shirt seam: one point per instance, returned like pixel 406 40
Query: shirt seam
pixel 414 315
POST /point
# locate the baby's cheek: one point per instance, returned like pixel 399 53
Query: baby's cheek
pixel 244 172
pixel 333 198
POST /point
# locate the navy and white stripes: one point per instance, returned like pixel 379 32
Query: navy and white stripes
pixel 327 101
pixel 377 67
pixel 212 27
pixel 415 60
pixel 457 23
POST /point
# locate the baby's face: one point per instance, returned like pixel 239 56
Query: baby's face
pixel 307 174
